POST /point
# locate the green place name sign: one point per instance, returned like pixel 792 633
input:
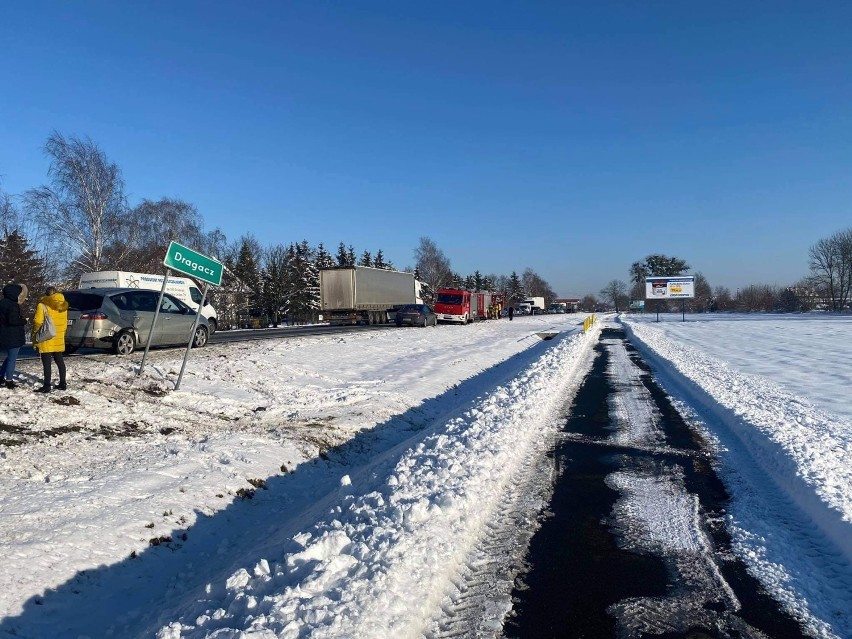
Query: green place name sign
pixel 185 260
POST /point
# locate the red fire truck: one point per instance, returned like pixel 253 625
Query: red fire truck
pixel 464 307
pixel 483 304
pixel 454 305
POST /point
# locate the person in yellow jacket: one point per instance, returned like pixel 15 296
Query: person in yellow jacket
pixel 54 303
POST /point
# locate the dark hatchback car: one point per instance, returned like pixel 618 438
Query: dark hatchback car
pixel 120 319
pixel 416 315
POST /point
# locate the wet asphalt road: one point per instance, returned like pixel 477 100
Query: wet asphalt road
pixel 626 463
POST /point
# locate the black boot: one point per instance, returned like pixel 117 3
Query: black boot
pixel 10 384
pixel 61 386
pixel 43 389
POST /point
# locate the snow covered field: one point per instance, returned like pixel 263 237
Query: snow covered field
pixel 329 486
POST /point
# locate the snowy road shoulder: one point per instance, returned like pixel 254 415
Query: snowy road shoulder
pixel 95 478
pixel 382 558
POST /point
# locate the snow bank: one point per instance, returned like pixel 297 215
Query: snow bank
pixel 381 559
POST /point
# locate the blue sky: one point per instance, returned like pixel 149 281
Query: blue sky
pixel 570 138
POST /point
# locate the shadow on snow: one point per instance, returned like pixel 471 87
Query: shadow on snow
pixel 137 595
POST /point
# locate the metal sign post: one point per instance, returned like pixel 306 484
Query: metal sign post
pixel 184 260
pixel 192 335
pixel 154 323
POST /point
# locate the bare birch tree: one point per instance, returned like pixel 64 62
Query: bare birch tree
pixel 158 223
pixel 433 267
pixel 83 210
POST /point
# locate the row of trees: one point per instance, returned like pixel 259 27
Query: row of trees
pixel 81 221
pixel 828 286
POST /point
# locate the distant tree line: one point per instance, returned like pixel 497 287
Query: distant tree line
pixel 828 286
pixel 80 221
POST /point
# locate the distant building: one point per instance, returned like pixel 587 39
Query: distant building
pixel 571 303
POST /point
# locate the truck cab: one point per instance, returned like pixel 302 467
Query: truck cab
pixel 454 305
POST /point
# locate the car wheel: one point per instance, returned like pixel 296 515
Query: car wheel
pixel 124 344
pixel 211 324
pixel 71 348
pixel 200 338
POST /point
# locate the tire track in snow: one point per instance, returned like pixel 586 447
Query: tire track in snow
pixel 480 596
pixel 633 544
pixel 788 466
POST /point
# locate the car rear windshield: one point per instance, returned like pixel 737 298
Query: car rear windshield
pixel 78 301
pixel 448 298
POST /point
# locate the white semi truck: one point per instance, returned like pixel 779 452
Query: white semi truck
pixel 183 288
pixel 365 295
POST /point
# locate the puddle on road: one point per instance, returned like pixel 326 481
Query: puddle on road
pixel 633 542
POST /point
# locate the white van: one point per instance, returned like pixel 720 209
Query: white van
pixel 183 288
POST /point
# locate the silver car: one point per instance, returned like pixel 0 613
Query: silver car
pixel 120 319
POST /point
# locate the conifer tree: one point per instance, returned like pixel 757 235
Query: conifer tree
pixel 515 290
pixel 302 283
pixel 379 260
pixel 322 258
pixel 366 259
pixel 247 271
pixel 342 258
pixel 19 263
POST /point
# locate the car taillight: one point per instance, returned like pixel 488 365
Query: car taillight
pixel 93 315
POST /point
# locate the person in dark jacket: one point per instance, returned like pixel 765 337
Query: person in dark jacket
pixel 511 313
pixel 12 334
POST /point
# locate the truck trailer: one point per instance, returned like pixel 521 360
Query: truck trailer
pixel 363 295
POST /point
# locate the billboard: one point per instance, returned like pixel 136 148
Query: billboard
pixel 672 287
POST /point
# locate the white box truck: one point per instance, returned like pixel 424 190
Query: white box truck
pixel 183 288
pixel 534 305
pixel 365 295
